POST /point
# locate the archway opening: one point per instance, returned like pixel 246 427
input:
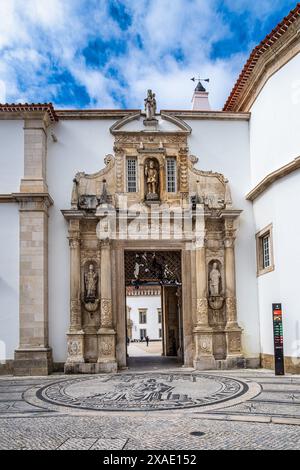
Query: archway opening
pixel 154 331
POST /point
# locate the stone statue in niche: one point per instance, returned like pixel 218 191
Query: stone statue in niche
pixel 90 283
pixel 214 280
pixel 150 106
pixel 216 300
pixel 151 174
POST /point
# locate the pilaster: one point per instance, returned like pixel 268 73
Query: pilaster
pixel 203 333
pixel 106 333
pixel 75 335
pixel 35 152
pixel 232 330
pixel 33 357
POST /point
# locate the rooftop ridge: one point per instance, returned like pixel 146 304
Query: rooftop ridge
pixel 256 53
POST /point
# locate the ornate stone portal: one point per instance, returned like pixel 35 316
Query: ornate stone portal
pixel 193 216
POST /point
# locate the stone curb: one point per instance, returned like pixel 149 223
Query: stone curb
pixel 250 419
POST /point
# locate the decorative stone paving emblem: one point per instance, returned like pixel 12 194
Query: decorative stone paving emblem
pixel 142 392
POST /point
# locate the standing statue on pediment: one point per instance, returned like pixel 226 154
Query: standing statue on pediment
pixel 150 106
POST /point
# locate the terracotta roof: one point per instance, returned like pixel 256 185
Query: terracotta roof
pixel 257 52
pixel 19 108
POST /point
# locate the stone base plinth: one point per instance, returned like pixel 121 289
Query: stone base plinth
pixel 107 350
pixel 231 362
pixel 33 362
pixel 90 368
pixel 150 122
pixel 205 363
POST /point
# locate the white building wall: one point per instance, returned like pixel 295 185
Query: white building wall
pixel 275 141
pixel 278 205
pixel 12 170
pixel 223 146
pixel 152 304
pixel 11 155
pixel 9 280
pixel 81 146
pixel 275 119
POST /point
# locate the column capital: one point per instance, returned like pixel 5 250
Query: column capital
pixel 33 201
pixel 105 243
pixel 74 241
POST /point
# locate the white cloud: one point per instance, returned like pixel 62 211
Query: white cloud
pixel 41 38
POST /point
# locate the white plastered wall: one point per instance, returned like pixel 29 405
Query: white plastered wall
pixel 274 142
pixel 81 146
pixel 12 166
pixel 223 146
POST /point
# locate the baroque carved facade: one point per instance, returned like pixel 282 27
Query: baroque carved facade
pixel 107 219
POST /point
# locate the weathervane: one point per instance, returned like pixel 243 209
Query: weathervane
pixel 199 86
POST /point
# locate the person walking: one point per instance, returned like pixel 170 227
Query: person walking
pixel 147 340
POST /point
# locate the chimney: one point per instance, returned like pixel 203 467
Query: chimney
pixel 200 99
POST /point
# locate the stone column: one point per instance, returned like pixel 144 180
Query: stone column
pixel 35 151
pixel 33 357
pixel 233 331
pixel 75 335
pixel 203 335
pixel 106 333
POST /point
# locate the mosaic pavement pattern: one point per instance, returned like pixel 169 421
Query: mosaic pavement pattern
pixel 143 392
pixel 249 421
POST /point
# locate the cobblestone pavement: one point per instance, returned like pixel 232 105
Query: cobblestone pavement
pixel 251 424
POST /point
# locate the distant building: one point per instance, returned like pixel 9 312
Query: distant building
pixel 144 313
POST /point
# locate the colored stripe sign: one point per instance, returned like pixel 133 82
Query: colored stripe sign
pixel 278 339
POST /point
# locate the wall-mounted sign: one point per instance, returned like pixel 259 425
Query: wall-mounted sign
pixel 278 339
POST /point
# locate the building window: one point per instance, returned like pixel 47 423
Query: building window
pixel 264 250
pixel 143 333
pixel 159 315
pixel 131 175
pixel 171 175
pixel 159 333
pixel 143 316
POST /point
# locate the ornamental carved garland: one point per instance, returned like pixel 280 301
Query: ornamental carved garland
pixel 106 313
pixel 184 184
pixel 75 312
pixel 74 348
pixel 106 347
pixel 202 310
pixel 136 139
pixel 205 344
pixel 231 308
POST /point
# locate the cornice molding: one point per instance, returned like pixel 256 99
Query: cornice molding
pixel 208 115
pixel 28 111
pixel 64 114
pixel 19 197
pixel 272 177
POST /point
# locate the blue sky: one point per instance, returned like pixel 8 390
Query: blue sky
pixel 107 53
